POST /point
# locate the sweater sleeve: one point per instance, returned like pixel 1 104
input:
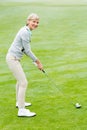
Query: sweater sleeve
pixel 26 45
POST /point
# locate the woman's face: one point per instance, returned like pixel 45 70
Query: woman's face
pixel 33 24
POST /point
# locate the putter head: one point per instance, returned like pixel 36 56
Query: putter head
pixel 77 105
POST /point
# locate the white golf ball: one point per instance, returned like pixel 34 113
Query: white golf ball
pixel 78 105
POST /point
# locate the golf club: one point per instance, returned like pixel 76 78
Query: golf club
pixel 77 105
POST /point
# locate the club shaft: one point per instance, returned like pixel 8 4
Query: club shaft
pixel 55 85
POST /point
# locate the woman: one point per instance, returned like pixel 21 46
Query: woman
pixel 19 47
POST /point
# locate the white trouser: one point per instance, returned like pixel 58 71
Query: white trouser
pixel 16 68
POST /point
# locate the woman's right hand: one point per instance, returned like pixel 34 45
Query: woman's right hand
pixel 39 65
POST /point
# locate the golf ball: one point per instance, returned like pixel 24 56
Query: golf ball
pixel 77 105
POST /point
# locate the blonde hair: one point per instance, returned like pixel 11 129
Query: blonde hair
pixel 33 16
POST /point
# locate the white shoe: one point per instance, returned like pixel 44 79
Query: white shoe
pixel 25 113
pixel 26 104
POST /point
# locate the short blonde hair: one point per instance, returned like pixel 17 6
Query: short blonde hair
pixel 33 16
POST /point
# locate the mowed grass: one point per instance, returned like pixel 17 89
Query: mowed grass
pixel 60 42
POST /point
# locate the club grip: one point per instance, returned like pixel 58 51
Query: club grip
pixel 43 71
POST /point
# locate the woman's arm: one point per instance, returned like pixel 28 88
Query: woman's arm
pixel 28 51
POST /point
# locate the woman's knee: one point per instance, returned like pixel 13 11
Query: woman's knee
pixel 24 83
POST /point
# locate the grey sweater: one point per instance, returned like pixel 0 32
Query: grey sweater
pixel 21 44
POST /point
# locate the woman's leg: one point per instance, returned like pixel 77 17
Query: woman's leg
pixel 19 74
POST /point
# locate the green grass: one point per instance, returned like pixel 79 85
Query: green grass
pixel 60 42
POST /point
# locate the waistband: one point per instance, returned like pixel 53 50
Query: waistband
pixel 12 57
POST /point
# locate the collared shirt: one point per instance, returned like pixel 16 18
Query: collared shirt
pixel 21 44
